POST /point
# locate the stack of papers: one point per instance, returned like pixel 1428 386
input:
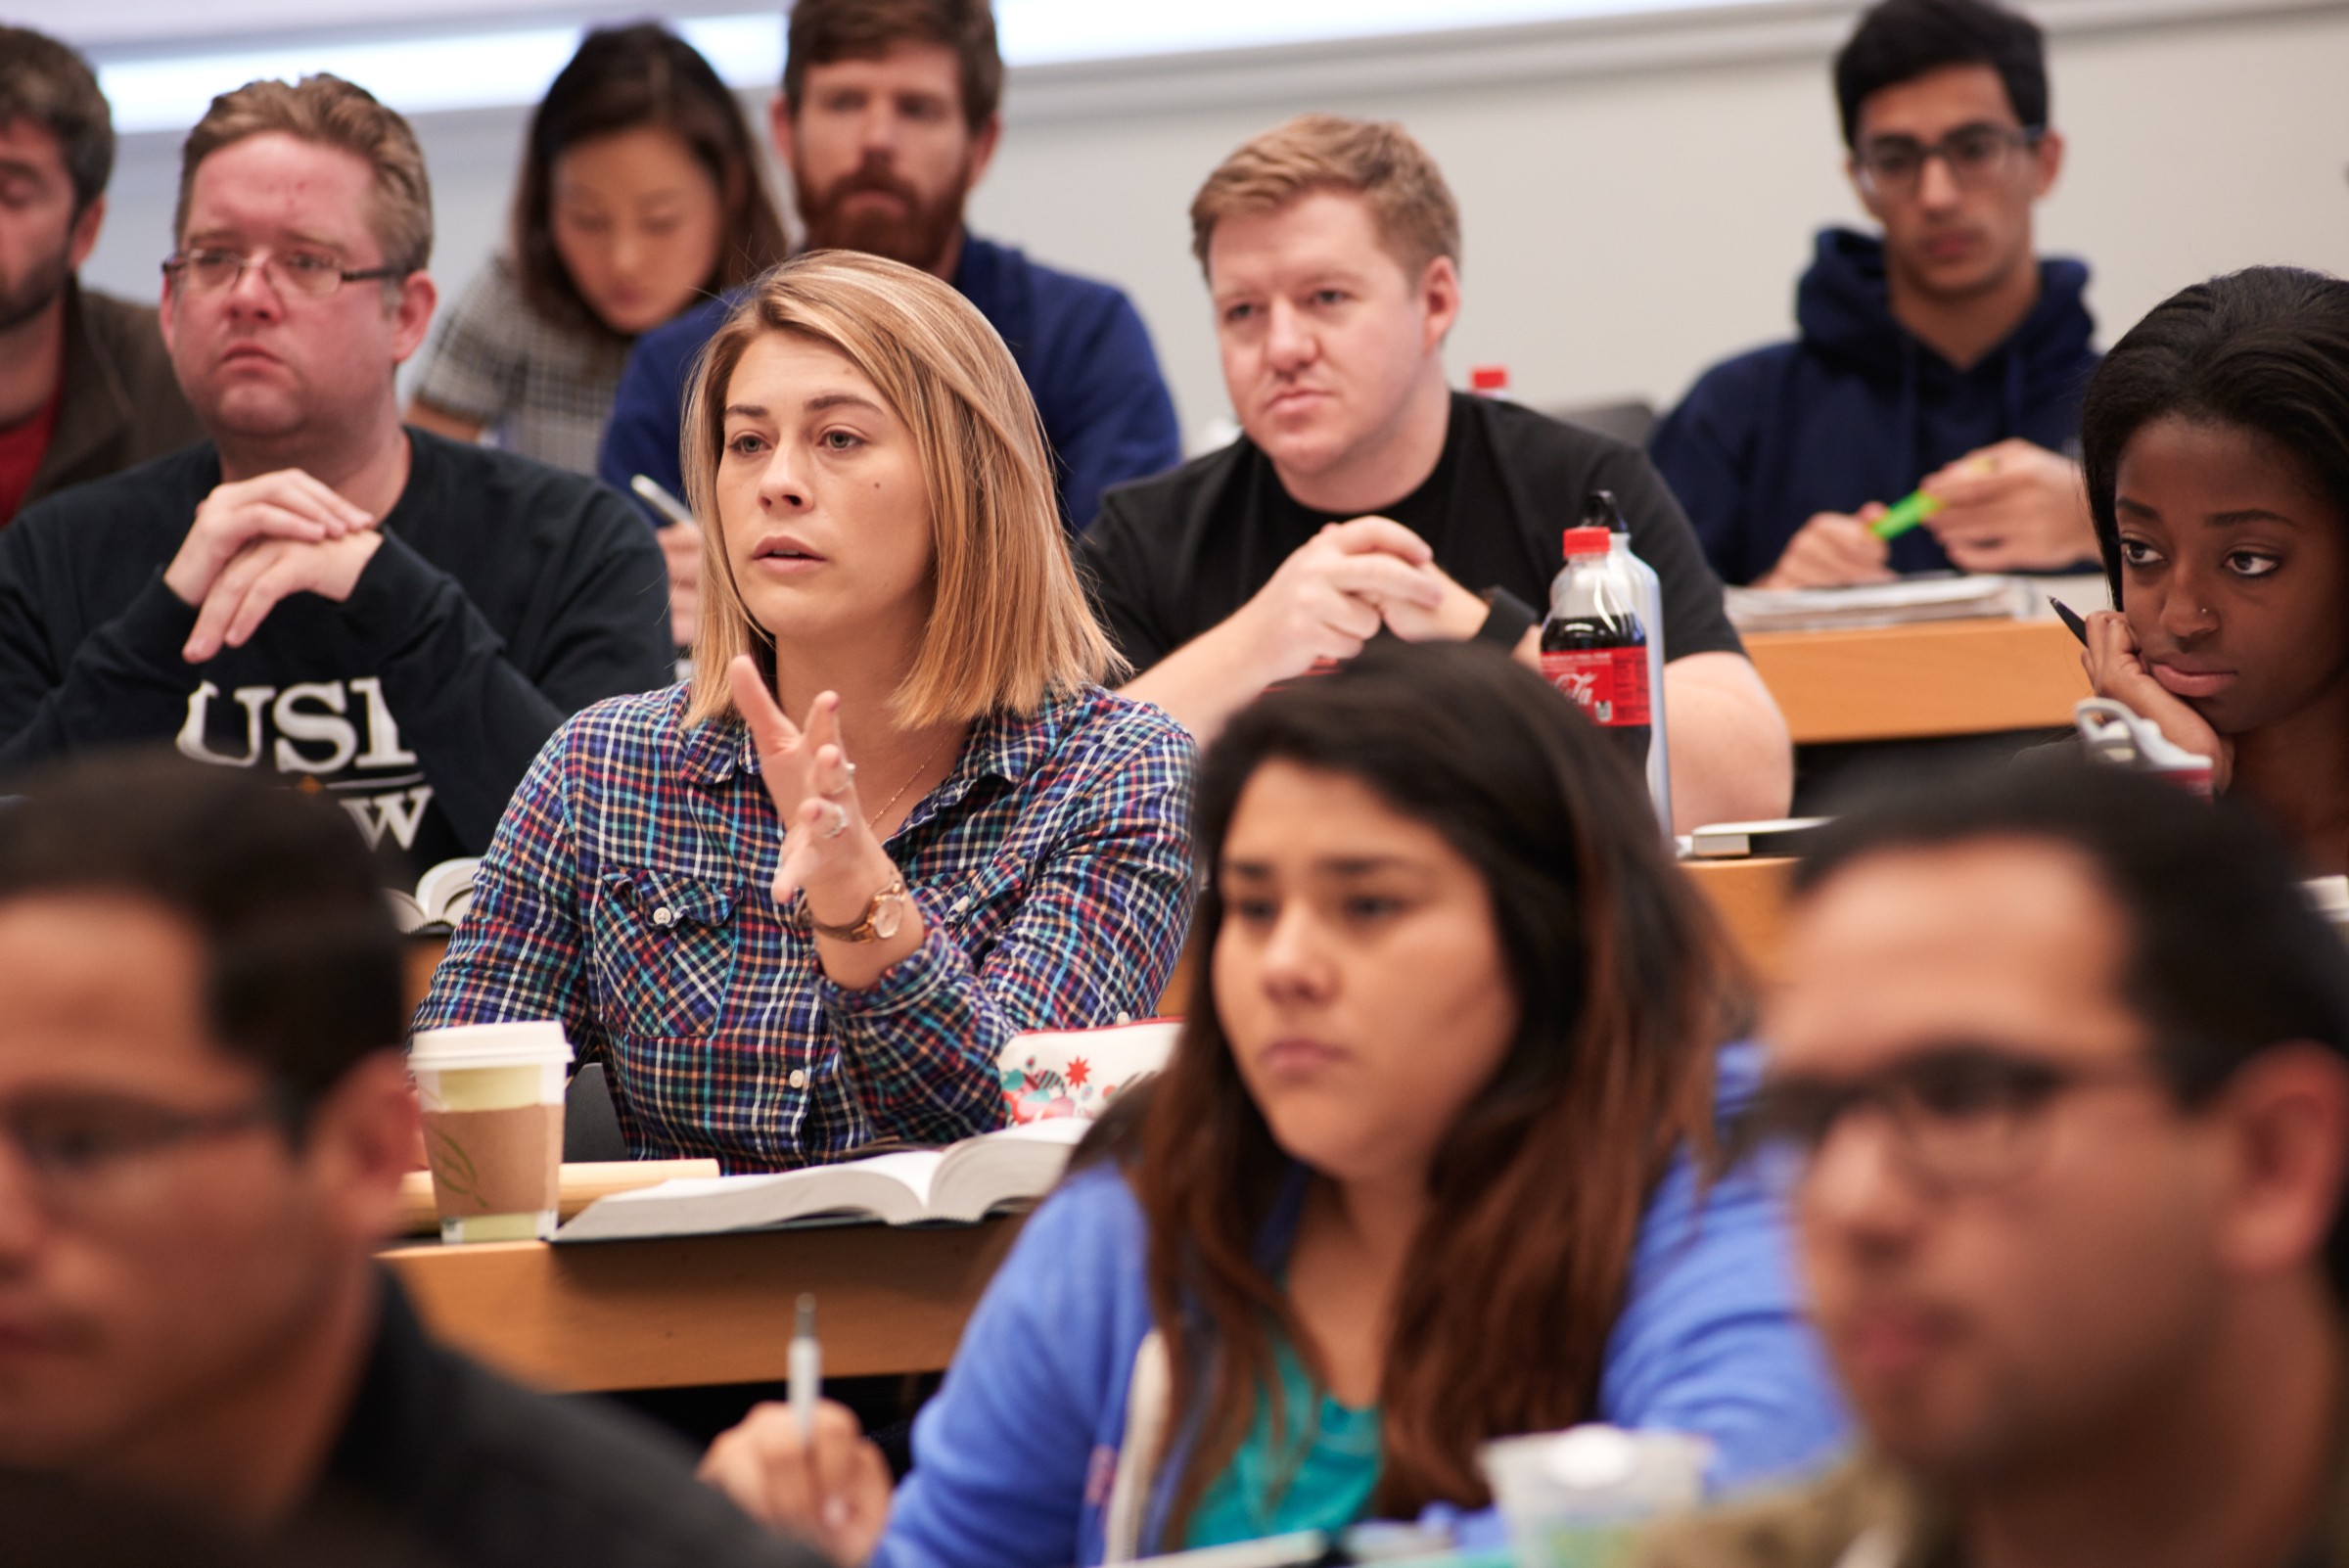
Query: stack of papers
pixel 1879 604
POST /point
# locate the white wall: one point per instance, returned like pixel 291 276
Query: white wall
pixel 1624 226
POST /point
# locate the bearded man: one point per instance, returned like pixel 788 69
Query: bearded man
pixel 888 116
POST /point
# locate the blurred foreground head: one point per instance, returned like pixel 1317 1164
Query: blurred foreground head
pixel 2057 1083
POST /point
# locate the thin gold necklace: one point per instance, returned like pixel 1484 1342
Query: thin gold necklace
pixel 872 819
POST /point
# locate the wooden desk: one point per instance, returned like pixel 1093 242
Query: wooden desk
pixel 1750 896
pixel 705 1310
pixel 1950 677
pixel 718 1308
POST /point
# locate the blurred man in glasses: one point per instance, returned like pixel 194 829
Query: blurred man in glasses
pixel 1944 355
pixel 313 590
pixel 204 1116
pixel 2058 1088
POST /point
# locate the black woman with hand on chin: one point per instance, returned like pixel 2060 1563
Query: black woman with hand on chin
pixel 2216 444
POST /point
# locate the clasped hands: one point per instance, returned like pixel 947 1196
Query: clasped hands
pixel 2012 507
pixel 1334 592
pixel 256 541
pixel 830 852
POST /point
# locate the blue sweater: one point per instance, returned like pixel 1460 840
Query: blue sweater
pixel 1014 1459
pixel 1079 345
pixel 1858 410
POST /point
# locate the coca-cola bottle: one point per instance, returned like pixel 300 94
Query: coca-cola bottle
pixel 1600 510
pixel 1594 644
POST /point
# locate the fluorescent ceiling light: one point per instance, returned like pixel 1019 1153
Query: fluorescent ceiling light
pixel 419 75
pixel 414 75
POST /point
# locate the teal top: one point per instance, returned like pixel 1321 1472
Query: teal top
pixel 1320 1477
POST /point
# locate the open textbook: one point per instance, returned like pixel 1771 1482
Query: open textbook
pixel 442 896
pixel 959 1183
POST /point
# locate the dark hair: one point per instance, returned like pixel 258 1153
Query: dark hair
pixel 620 79
pixel 2264 349
pixel 1901 41
pixel 823 31
pixel 2227 953
pixel 1624 985
pixel 304 971
pixel 44 82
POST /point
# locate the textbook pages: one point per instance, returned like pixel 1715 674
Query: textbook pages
pixel 960 1183
pixel 443 898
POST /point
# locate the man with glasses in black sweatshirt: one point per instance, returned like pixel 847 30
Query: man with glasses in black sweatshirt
pixel 392 618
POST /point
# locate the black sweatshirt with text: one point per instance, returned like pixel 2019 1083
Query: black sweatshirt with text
pixel 506 597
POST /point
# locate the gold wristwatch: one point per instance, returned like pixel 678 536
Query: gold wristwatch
pixel 883 917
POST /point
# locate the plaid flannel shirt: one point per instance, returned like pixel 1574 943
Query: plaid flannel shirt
pixel 627 893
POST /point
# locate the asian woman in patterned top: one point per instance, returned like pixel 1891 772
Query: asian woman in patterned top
pixel 641 193
pixel 800 902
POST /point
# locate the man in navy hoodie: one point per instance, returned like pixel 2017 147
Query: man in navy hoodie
pixel 1945 355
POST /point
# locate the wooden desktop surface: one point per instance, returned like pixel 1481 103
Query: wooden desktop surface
pixel 703 1310
pixel 1950 677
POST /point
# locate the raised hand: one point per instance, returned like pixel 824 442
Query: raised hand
pixel 830 852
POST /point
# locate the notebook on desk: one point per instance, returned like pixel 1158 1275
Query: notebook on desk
pixel 1910 601
pixel 960 1183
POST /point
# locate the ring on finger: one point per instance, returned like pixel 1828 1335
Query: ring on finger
pixel 840 821
pixel 847 776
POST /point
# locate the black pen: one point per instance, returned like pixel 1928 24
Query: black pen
pixel 2071 619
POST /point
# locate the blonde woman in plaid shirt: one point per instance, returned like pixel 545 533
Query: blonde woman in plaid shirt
pixel 800 902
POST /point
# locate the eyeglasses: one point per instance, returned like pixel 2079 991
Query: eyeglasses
pixel 1961 1117
pixel 1976 156
pixel 295 274
pixel 96 1152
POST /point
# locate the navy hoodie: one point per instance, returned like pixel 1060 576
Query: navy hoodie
pixel 1858 410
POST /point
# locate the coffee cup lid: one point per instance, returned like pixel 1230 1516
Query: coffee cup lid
pixel 516 1044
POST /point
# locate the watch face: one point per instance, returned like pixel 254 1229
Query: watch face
pixel 888 914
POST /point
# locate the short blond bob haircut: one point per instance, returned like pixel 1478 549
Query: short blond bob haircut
pixel 1376 159
pixel 1009 623
pixel 332 112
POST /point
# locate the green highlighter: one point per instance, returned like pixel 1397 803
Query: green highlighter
pixel 1904 513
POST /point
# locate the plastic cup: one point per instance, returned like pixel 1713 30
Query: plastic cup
pixel 1582 1498
pixel 492 1099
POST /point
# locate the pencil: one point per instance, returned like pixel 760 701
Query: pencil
pixel 806 1370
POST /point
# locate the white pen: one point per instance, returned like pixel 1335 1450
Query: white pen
pixel 660 500
pixel 807 1370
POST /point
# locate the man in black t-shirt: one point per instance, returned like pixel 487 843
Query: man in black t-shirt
pixel 205 1118
pixel 1366 496
pixel 393 618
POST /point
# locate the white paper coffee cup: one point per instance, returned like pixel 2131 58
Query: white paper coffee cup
pixel 493 1101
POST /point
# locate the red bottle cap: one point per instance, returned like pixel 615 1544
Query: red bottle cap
pixel 1489 378
pixel 1589 541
